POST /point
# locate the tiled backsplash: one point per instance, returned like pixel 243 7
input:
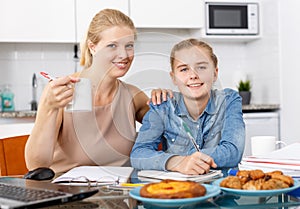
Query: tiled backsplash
pixel 18 62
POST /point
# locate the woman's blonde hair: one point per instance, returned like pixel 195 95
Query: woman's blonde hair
pixel 103 20
pixel 188 43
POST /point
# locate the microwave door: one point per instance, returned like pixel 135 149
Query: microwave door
pixel 229 19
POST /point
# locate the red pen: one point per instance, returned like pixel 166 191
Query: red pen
pixel 46 75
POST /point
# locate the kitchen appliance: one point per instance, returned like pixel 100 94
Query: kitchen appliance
pixel 34 89
pixel 232 18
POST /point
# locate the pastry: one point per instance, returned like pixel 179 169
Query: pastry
pixel 172 189
pixel 257 180
pixel 243 175
pixel 233 182
pixel 254 184
pixel 286 179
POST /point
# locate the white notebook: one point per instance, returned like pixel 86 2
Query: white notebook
pixel 155 174
pixel 286 159
pixel 95 175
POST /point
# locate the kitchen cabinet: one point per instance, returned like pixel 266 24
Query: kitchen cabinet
pixel 15 129
pixel 167 13
pixel 260 124
pixel 55 21
pixel 37 21
pixel 86 10
pixel 51 21
pixel 7 121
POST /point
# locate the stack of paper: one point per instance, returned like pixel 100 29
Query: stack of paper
pixel 95 175
pixel 286 159
pixel 155 175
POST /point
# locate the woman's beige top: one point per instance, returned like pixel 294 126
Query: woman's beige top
pixel 104 136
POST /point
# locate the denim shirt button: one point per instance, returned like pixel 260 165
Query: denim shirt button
pixel 173 140
pixel 198 126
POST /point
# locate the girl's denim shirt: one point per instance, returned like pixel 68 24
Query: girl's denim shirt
pixel 219 132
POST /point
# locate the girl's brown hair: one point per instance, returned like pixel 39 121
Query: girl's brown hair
pixel 188 43
pixel 103 20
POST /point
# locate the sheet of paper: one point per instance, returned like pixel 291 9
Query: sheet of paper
pixel 286 158
pixel 289 152
pixel 276 166
pixel 100 174
pixel 268 168
pixel 280 162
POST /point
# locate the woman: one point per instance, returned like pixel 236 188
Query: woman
pixel 213 117
pixel 62 140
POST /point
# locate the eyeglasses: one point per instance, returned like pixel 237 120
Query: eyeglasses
pixel 84 181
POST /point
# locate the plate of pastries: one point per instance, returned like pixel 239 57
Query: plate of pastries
pixel 174 193
pixel 258 183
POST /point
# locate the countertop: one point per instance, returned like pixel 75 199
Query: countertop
pixel 20 123
pixel 18 114
pixel 246 108
pixel 260 108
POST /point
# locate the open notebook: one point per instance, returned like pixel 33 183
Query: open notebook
pixel 24 193
pixel 95 175
pixel 154 175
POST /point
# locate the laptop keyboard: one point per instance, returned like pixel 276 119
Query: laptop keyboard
pixel 25 194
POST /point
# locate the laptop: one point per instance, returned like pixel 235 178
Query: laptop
pixel 25 193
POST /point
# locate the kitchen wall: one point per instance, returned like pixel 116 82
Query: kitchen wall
pixel 257 60
pixel 263 56
pixel 289 16
pixel 150 69
pixel 19 61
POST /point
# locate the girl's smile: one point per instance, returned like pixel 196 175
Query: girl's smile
pixel 193 72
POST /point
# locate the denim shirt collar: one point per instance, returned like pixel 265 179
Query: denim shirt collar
pixel 180 108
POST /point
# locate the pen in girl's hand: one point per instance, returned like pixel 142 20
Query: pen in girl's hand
pixel 46 75
pixel 189 133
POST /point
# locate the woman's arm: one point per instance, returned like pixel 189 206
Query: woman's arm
pixel 40 144
pixel 141 106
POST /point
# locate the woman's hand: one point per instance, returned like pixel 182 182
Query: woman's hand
pixel 160 95
pixel 197 163
pixel 59 92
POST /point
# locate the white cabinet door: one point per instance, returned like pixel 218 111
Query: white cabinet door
pixel 37 21
pixel 167 13
pixel 86 10
pixel 260 124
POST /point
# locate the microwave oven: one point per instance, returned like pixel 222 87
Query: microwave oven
pixel 232 18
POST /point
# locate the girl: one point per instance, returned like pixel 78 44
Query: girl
pixel 214 118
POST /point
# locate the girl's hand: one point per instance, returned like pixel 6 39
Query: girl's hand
pixel 197 163
pixel 160 95
pixel 59 92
